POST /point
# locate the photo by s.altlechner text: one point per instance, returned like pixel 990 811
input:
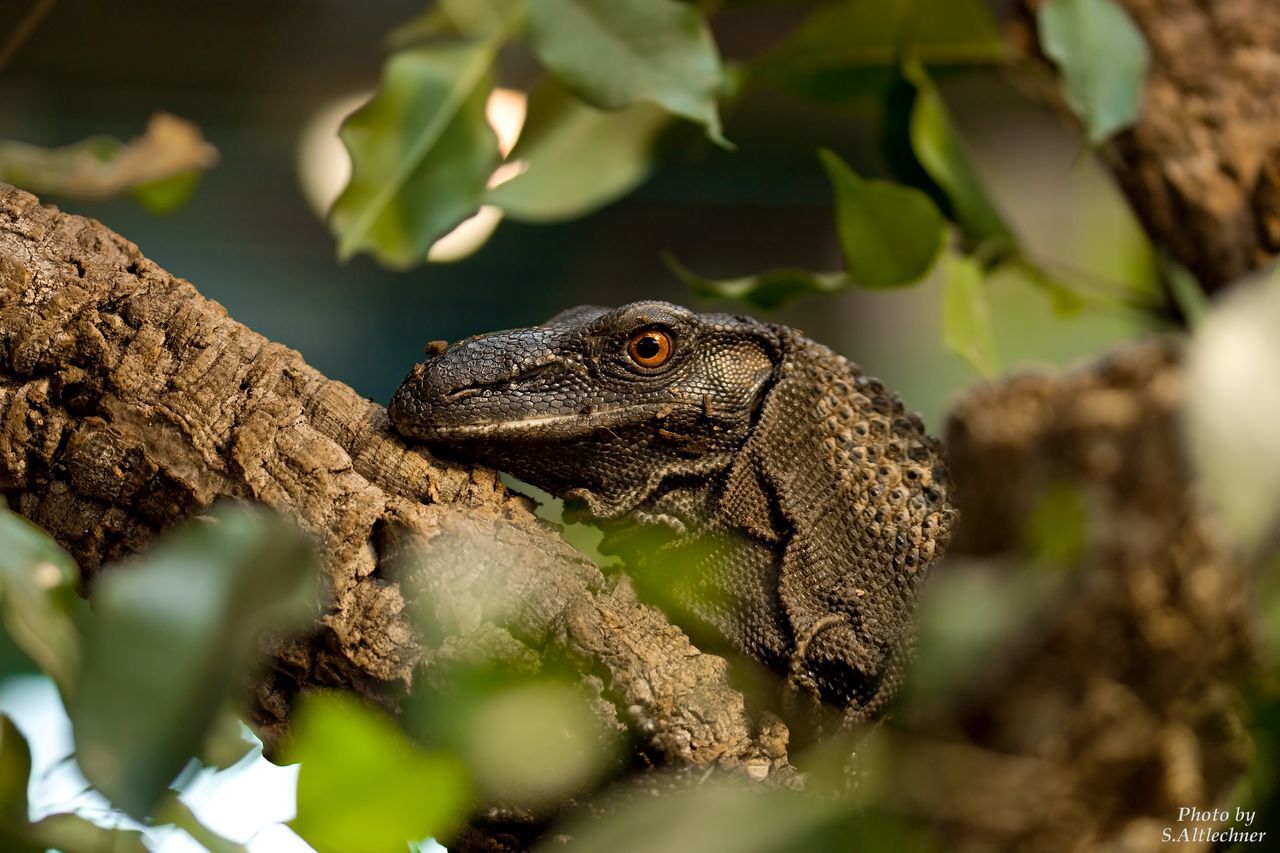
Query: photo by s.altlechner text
pixel 1204 826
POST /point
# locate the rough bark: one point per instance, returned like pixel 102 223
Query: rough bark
pixel 1202 165
pixel 128 401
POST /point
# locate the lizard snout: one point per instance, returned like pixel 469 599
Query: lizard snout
pixel 469 383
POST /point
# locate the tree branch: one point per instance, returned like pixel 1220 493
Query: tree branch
pixel 1202 165
pixel 128 401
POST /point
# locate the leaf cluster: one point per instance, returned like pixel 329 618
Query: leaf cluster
pixel 152 677
pixel 615 74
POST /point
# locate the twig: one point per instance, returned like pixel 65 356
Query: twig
pixel 24 29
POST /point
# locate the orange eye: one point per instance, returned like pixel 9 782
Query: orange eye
pixel 650 348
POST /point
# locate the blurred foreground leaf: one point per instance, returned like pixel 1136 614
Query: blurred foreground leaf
pixel 421 153
pixel 852 48
pixel 67 832
pixel 576 158
pixel 971 619
pixel 1056 532
pixel 966 317
pixel 37 596
pixel 617 53
pixel 717 816
pixel 528 740
pixel 362 785
pixel 890 235
pixel 1233 408
pixel 15 773
pixel 1103 60
pixel 175 631
pixel 100 167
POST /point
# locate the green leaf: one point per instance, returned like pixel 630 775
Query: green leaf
pixel 37 596
pixel 718 816
pixel 363 785
pixel 174 633
pixel 529 740
pixel 890 234
pixel 429 25
pixel 1056 531
pixel 768 289
pixel 616 53
pixel 1103 60
pixel 168 194
pixel 966 319
pixel 1066 302
pixel 472 19
pixel 421 154
pixel 938 149
pixel 576 158
pixel 971 619
pixel 851 49
pixel 61 831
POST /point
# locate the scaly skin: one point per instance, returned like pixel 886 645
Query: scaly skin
pixel 763 490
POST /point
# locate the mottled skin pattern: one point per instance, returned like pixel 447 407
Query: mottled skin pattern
pixel 788 504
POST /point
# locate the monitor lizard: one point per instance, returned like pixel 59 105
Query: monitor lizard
pixel 796 503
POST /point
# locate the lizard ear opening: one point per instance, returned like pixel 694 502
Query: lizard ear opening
pixel 650 348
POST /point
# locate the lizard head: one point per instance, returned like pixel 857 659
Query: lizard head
pixel 610 406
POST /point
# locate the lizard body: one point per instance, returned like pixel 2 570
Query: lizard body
pixel 797 504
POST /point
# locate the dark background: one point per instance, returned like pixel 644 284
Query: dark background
pixel 251 74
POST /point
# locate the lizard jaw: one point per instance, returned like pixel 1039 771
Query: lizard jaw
pixel 537 427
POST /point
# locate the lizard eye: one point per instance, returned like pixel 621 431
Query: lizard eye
pixel 649 347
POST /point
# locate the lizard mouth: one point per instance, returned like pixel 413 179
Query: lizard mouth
pixel 557 427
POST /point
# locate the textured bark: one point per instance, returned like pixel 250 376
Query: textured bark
pixel 128 401
pixel 1202 165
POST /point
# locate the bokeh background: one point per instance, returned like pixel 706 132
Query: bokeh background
pixel 253 74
